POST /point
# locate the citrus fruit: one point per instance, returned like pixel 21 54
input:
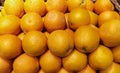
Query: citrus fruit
pixel 116 53
pixel 37 6
pixel 60 43
pixel 26 64
pixel 5 65
pixel 60 5
pixel 54 20
pixel 107 16
pixel 10 46
pixel 34 43
pixel 14 7
pixel 103 5
pixel 114 68
pixel 87 69
pixel 93 18
pixel 47 60
pixel 77 17
pixel 9 24
pixel 31 21
pixel 86 39
pixel 74 62
pixel 109 33
pixel 62 70
pixel 101 58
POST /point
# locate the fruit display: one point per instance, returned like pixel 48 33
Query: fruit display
pixel 59 36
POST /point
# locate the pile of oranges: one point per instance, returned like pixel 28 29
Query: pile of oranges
pixel 59 36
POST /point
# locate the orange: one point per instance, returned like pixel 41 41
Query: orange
pixel 109 33
pixel 87 69
pixel 41 71
pixel 9 24
pixel 54 20
pixel 74 62
pixel 78 17
pixel 46 34
pixel 86 39
pixel 66 18
pixel 3 12
pixel 107 16
pixel 37 6
pixel 26 64
pixel 93 18
pixel 101 58
pixel 89 5
pixel 14 7
pixel 103 5
pixel 62 70
pixel 50 63
pixel 34 43
pixel 60 43
pixel 60 5
pixel 114 68
pixel 21 35
pixel 10 46
pixel 72 4
pixel 116 53
pixel 31 21
pixel 5 65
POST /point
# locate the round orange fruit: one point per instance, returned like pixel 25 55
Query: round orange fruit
pixel 74 62
pixel 50 63
pixel 9 24
pixel 60 43
pixel 5 65
pixel 78 17
pixel 26 64
pixel 37 6
pixel 10 46
pixel 60 5
pixel 34 43
pixel 31 21
pixel 14 7
pixel 86 39
pixel 101 58
pixel 54 20
pixel 109 33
